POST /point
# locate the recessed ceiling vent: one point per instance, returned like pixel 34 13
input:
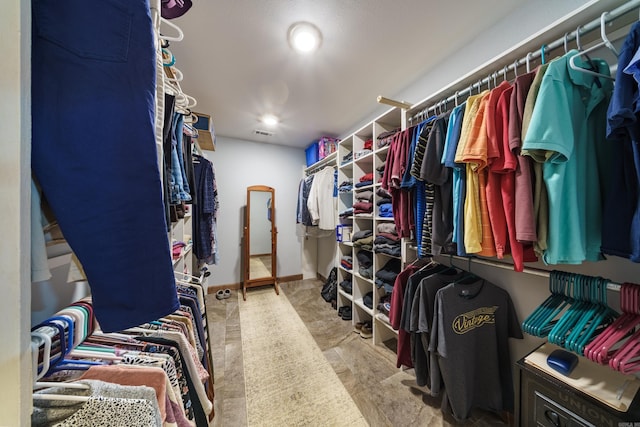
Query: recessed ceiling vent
pixel 261 132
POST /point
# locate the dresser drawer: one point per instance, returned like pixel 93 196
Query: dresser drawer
pixel 548 413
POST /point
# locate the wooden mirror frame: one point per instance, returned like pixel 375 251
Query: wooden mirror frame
pixel 248 282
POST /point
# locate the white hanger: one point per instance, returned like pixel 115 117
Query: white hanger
pixel 177 38
pixel 605 42
pixel 178 75
pixel 188 276
pixel 46 354
pixel 35 348
pixel 603 34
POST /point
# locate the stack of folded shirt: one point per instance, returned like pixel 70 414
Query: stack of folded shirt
pixel 385 138
pixel 365 180
pixel 380 170
pixel 346 159
pixel 346 262
pixel 345 213
pixel 347 286
pixel 362 153
pixel 362 208
pixel 383 196
pixel 364 196
pixel 363 239
pixel 387 243
pixel 346 186
pixel 367 299
pixel 365 263
pixel 386 227
pixel 385 210
pixel 386 276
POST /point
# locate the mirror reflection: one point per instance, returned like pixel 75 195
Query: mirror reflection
pixel 260 235
pixel 260 239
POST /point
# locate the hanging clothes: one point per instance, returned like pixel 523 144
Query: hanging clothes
pixel 567 134
pixel 621 215
pixel 96 161
pixel 205 210
pixel 531 225
pixel 438 177
pixel 472 323
pixel 495 123
pixel 458 175
pixel 321 202
pixel 302 211
pixel 517 191
pixel 473 152
pixel 401 199
pixel 423 191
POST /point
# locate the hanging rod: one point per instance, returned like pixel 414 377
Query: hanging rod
pixel 581 30
pixel 612 286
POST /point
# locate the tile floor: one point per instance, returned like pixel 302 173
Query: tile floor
pixel 386 395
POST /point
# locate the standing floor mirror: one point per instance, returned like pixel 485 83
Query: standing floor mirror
pixel 260 239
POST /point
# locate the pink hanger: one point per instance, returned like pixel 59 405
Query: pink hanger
pixel 626 358
pixel 607 343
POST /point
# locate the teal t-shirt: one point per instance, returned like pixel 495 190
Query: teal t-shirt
pixel 567 134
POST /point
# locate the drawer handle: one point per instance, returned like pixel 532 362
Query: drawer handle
pixel 552 417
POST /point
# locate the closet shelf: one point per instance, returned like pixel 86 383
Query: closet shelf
pixel 183 253
pixel 330 160
pixel 362 277
pixel 347 243
pixel 383 319
pixel 388 256
pixel 344 269
pixel 383 150
pixel 346 295
pixel 384 218
pixel 360 303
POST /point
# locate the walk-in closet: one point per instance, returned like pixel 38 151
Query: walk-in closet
pixel 320 213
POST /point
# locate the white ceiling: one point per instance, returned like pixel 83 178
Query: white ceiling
pixel 238 65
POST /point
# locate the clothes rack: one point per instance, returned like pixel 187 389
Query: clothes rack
pixel 612 286
pixel 560 42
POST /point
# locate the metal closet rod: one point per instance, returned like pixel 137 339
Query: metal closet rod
pixel 581 30
pixel 612 286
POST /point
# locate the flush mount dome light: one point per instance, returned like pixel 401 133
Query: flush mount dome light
pixel 304 37
pixel 269 120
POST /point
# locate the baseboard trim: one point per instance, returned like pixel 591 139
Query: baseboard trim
pixel 235 286
pixel 291 278
pixel 321 277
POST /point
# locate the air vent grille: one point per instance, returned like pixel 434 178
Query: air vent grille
pixel 262 132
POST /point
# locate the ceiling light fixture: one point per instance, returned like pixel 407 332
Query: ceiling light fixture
pixel 304 37
pixel 269 120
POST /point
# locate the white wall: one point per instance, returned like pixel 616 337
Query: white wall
pixel 15 191
pixel 239 164
pixel 536 17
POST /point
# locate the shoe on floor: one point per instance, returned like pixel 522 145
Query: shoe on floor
pixel 357 328
pixel 366 331
pixel 223 293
